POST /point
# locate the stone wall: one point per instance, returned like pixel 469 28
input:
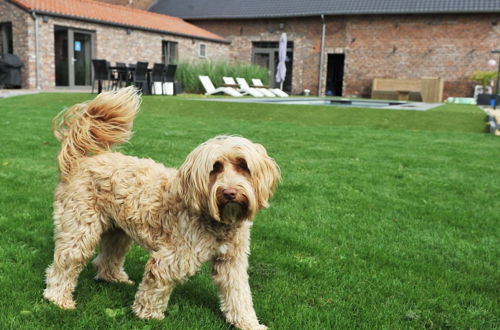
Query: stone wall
pixel 115 44
pixel 383 46
pixel 23 42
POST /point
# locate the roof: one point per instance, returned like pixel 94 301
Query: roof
pixel 227 9
pixel 95 11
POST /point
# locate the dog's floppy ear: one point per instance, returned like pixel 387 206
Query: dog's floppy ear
pixel 266 174
pixel 192 176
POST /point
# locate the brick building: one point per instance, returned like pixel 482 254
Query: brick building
pixel 56 40
pixel 340 46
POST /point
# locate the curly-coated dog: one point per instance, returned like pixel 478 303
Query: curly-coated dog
pixel 183 217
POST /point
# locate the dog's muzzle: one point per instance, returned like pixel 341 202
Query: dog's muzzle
pixel 232 204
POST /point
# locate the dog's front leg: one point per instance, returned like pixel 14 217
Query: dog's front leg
pixel 230 275
pixel 151 299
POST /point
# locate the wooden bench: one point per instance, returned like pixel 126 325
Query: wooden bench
pixel 427 89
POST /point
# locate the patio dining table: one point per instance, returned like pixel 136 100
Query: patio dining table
pixel 129 71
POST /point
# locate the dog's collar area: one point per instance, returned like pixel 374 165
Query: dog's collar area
pixel 221 230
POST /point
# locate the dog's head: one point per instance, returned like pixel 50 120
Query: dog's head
pixel 229 178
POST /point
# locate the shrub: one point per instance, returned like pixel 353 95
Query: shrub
pixel 484 78
pixel 188 72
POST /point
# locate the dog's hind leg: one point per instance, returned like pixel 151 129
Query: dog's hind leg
pixel 77 233
pixel 113 248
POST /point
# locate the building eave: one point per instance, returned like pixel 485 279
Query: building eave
pixel 115 24
pixel 128 26
pixel 346 13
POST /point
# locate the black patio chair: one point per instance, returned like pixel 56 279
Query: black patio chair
pixel 170 75
pixel 157 75
pixel 141 75
pixel 130 73
pixel 101 74
pixel 121 78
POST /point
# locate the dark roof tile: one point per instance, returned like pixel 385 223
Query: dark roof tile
pixel 213 9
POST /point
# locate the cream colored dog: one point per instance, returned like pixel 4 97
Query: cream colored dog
pixel 183 218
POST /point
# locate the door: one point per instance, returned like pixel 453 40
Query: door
pixel 61 57
pixel 265 54
pixel 335 75
pixel 261 59
pixel 74 50
pixel 82 59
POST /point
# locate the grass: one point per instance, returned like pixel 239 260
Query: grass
pixel 384 219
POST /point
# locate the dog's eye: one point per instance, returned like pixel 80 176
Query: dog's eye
pixel 218 167
pixel 242 165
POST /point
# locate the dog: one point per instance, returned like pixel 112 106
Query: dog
pixel 183 217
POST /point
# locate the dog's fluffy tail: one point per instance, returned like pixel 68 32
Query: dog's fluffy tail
pixel 94 126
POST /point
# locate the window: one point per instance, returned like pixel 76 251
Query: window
pixel 169 52
pixel 202 50
pixel 6 38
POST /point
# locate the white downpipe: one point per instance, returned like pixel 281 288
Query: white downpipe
pixel 37 50
pixel 321 55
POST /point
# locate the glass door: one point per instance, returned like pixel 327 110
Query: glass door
pixel 74 50
pixel 82 58
pixel 265 54
pixel 61 56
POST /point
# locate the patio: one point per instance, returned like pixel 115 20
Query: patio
pixel 158 79
pixel 339 102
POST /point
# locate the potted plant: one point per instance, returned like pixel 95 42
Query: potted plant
pixel 483 92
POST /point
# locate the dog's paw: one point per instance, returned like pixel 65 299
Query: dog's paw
pixel 260 327
pixel 145 313
pixel 114 279
pixel 108 274
pixel 250 326
pixel 62 302
pixel 128 282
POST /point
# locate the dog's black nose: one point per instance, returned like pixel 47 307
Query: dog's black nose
pixel 229 194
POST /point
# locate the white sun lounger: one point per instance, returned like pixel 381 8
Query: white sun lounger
pixel 244 85
pixel 210 89
pixel 245 90
pixel 257 83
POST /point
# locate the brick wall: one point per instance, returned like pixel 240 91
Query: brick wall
pixel 447 46
pixel 115 44
pixel 411 46
pixel 303 33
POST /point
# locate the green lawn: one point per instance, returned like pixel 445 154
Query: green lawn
pixel 384 219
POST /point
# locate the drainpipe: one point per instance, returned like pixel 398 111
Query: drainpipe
pixel 321 55
pixel 37 50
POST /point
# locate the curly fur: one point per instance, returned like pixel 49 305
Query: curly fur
pixel 183 218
